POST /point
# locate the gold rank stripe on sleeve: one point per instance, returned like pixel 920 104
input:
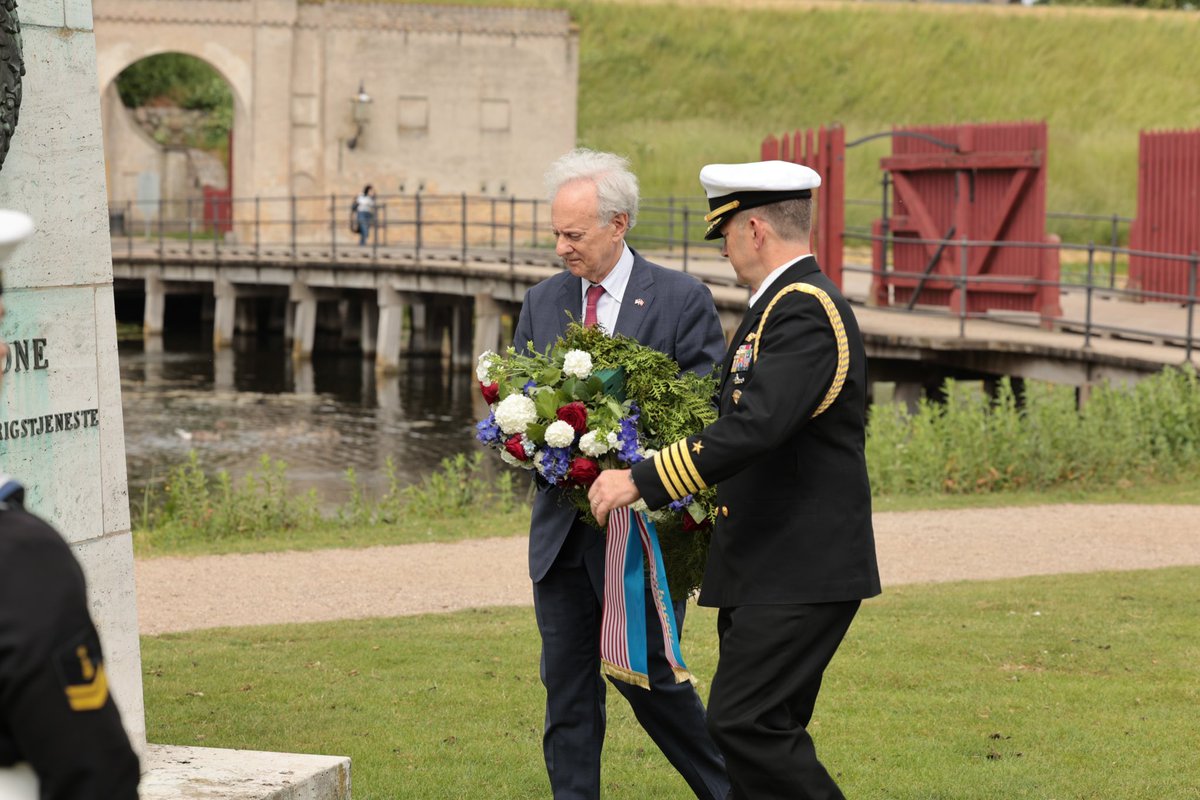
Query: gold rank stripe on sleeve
pixel 89 696
pixel 677 471
pixel 839 333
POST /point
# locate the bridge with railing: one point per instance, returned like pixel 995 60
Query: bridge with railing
pixel 446 274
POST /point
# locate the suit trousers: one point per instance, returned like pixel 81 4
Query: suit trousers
pixel 772 659
pixel 567 602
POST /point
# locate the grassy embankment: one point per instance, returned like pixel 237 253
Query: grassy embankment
pixel 677 86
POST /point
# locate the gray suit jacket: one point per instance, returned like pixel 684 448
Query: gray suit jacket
pixel 677 318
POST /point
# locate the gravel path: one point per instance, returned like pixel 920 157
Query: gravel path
pixel 178 594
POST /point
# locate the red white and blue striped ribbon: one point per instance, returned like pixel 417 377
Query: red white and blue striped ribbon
pixel 623 636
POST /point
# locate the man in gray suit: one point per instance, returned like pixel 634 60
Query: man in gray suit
pixel 594 200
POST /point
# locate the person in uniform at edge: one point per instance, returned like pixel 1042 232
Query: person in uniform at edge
pixel 793 551
pixel 594 199
pixel 57 719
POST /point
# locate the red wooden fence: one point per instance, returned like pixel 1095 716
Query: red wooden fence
pixel 991 186
pixel 1168 212
pixel 826 155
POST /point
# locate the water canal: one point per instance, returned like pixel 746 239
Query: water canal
pixel 321 419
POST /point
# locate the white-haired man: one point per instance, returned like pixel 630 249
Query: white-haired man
pixel 594 200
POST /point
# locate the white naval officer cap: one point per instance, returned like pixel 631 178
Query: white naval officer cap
pixel 735 187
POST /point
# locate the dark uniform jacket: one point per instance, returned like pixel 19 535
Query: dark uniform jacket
pixel 55 709
pixel 662 308
pixel 786 454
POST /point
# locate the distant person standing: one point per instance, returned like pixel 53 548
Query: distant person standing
pixel 364 210
pixel 61 736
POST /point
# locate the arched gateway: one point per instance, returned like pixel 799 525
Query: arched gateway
pixel 462 99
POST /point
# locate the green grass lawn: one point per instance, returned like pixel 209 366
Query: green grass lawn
pixel 1079 687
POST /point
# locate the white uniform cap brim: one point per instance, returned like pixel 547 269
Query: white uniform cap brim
pixel 15 226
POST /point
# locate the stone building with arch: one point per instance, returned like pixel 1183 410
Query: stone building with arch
pixel 463 99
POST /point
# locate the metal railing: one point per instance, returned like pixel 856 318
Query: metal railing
pixel 514 230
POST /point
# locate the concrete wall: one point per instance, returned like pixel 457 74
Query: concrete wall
pixel 465 99
pixel 58 289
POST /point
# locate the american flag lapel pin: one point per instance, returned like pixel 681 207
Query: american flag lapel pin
pixel 639 302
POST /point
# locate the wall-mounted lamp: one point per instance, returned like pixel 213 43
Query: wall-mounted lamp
pixel 360 111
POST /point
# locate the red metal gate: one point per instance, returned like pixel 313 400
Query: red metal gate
pixel 988 185
pixel 1168 213
pixel 828 158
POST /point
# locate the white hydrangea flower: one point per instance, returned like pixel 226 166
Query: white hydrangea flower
pixel 514 413
pixel 640 506
pixel 483 365
pixel 560 434
pixel 612 439
pixel 649 452
pixel 577 364
pixel 593 445
pixel 509 458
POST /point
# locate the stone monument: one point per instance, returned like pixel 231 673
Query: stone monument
pixel 61 427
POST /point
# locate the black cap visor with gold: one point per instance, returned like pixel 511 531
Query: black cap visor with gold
pixel 723 207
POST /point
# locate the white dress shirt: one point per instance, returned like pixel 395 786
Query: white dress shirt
pixel 609 304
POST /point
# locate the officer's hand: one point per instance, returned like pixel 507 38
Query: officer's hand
pixel 613 489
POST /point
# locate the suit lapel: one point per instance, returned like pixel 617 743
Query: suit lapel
pixel 569 299
pixel 638 299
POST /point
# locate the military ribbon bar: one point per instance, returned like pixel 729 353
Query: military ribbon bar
pixel 624 642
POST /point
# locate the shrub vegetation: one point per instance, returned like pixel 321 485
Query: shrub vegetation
pixel 970 446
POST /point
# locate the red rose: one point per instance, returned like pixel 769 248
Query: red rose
pixel 583 471
pixel 491 392
pixel 690 525
pixel 575 415
pixel 516 448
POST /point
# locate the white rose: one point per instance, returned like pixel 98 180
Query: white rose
pixel 577 363
pixel 560 434
pixel 612 439
pixel 593 445
pixel 514 413
pixel 484 365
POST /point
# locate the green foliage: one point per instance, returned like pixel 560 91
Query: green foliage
pixel 196 509
pixel 973 443
pixel 673 404
pixel 195 505
pixel 1078 687
pixel 461 487
pixel 187 82
pixel 179 79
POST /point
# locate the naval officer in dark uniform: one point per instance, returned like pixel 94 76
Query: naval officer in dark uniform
pixel 793 551
pixel 61 736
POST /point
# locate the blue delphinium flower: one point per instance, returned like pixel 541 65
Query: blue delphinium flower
pixel 554 463
pixel 488 432
pixel 681 504
pixel 528 388
pixel 627 441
